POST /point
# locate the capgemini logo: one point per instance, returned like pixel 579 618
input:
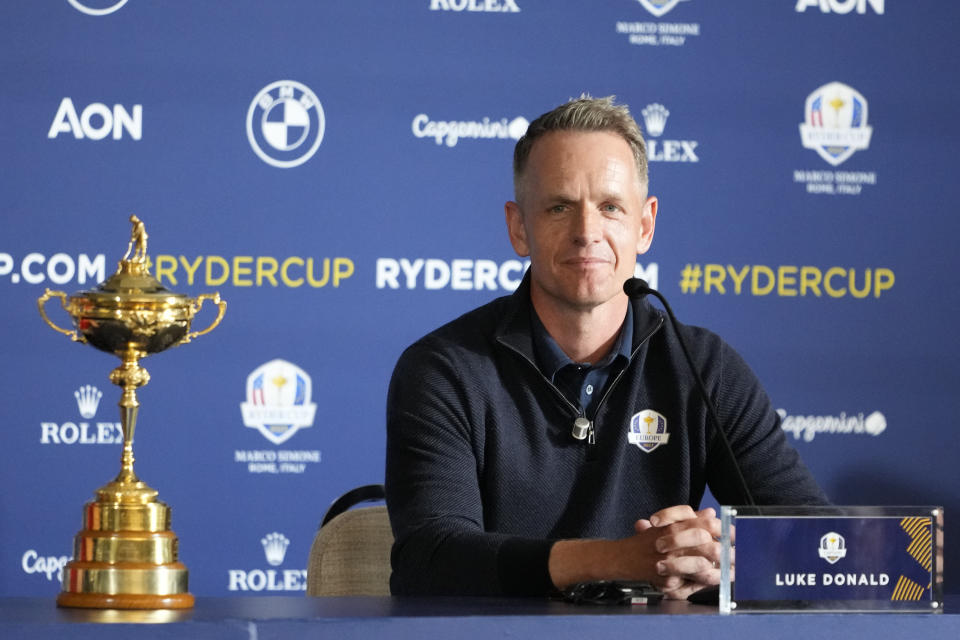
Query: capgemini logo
pixel 88 399
pixel 275 547
pixel 453 131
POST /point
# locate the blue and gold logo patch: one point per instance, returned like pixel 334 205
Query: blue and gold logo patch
pixel 648 430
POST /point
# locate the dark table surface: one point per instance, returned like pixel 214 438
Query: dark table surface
pixel 263 618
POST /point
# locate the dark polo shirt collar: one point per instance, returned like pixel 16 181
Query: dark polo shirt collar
pixel 580 382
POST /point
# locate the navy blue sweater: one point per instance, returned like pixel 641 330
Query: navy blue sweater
pixel 483 475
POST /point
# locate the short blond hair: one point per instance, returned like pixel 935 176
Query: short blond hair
pixel 583 114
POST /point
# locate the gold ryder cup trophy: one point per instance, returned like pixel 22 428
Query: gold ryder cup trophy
pixel 126 555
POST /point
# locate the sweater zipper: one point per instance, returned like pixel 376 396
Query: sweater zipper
pixel 592 439
pixel 624 370
pixel 578 411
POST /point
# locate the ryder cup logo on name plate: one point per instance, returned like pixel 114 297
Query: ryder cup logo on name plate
pixel 278 401
pixel 659 7
pixel 648 430
pixel 285 124
pixel 832 547
pixel 835 122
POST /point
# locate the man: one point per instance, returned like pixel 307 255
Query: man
pixel 488 490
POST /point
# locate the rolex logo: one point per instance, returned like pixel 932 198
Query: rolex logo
pixel 88 399
pixel 275 547
pixel 655 118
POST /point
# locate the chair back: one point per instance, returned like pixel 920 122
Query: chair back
pixel 350 555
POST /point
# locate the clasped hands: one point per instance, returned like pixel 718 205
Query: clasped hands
pixel 678 549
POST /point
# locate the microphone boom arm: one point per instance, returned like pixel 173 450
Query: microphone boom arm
pixel 635 287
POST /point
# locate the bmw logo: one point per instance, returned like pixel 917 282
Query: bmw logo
pixel 285 124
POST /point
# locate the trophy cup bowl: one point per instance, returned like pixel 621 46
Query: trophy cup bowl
pixel 126 556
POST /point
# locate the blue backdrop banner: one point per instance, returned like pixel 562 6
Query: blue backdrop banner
pixel 337 172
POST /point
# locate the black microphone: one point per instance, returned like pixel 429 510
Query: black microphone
pixel 638 288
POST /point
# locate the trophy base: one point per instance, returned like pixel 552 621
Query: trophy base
pixel 125 601
pixel 126 556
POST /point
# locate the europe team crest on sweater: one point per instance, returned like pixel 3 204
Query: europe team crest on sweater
pixel 648 430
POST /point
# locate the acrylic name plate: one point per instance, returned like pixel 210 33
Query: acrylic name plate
pixel 837 559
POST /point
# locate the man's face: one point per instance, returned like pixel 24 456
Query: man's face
pixel 582 217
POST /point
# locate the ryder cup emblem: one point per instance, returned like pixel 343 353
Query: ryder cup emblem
pixel 659 7
pixel 648 430
pixel 285 124
pixel 835 122
pixel 832 547
pixel 278 401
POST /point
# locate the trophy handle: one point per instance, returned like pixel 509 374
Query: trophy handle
pixel 195 307
pixel 41 303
